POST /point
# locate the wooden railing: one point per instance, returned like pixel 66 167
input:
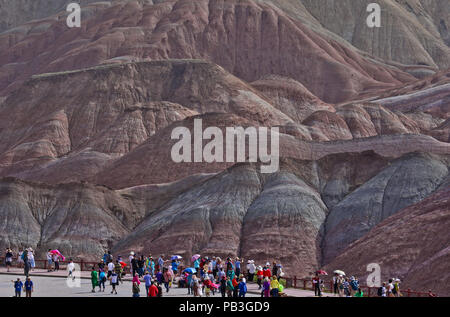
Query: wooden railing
pixel 307 284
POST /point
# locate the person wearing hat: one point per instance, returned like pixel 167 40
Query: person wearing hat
pixel 260 276
pixel 31 258
pixel 242 287
pixel 274 286
pixel 251 269
pixel 237 265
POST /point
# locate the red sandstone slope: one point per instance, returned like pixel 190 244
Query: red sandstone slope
pixel 412 245
pixel 250 39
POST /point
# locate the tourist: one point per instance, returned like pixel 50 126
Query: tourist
pixel 390 288
pixel 260 277
pixel 101 265
pixel 26 263
pixel 160 292
pixel 237 264
pixel 56 261
pixel 94 279
pixel 71 269
pixel 153 290
pixel 230 287
pixel 359 293
pixel 335 284
pixel 341 285
pixel 110 268
pixel 148 281
pixel 31 259
pixel 114 282
pixel 134 266
pixel 280 272
pixel 29 288
pixel 159 277
pixel 266 288
pixel 223 285
pixel 251 269
pixel 141 264
pixel 242 287
pixel 18 287
pixel 189 283
pixel 135 289
pixel 396 290
pixel 195 285
pixel 8 259
pixel 167 278
pixel 175 264
pixel 382 290
pixel 316 283
pixel 274 268
pixel 136 279
pixel 49 260
pixel 161 262
pixel 274 287
pixel 130 259
pixel 118 269
pixel 207 285
pixel 266 271
pixel 354 285
pixel 102 280
pixel 346 285
pixel 235 283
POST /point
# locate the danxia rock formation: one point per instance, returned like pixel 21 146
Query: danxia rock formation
pixel 87 115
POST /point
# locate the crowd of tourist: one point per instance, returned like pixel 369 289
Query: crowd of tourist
pixel 202 276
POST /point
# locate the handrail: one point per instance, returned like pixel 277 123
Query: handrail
pixel 307 284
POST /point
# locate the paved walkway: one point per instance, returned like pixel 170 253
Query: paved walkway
pixel 54 284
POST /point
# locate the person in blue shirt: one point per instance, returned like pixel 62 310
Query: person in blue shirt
pixel 242 287
pixel 175 264
pixel 237 265
pixel 18 287
pixel 28 287
pixel 189 282
pixel 102 280
pixel 159 277
pixel 197 264
pixel 148 282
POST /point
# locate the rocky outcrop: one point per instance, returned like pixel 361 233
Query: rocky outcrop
pixel 411 245
pixel 205 30
pixel 405 182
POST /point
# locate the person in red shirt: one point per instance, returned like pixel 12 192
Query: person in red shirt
pixel 235 285
pixel 260 276
pixel 266 271
pixel 153 290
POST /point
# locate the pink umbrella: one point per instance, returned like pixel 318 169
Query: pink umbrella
pixel 214 285
pixel 195 257
pixel 58 253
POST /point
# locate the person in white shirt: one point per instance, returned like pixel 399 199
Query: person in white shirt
pixel 71 268
pixel 251 268
pixel 49 260
pixel 110 268
pixel 390 288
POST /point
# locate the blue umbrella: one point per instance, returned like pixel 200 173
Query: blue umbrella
pixel 176 257
pixel 190 270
